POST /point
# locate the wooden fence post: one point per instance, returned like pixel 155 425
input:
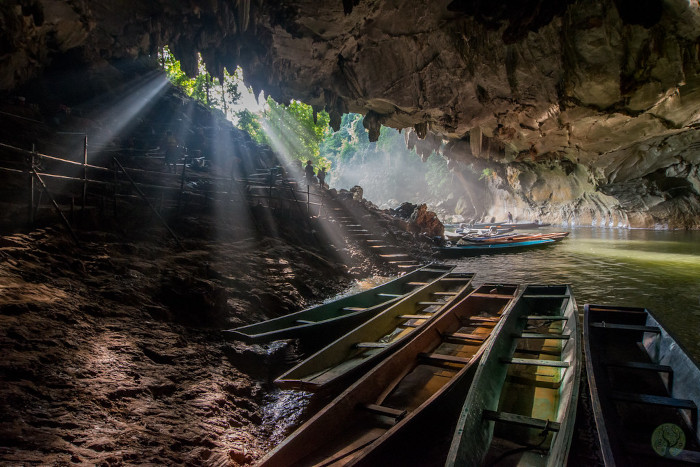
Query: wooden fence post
pixel 85 177
pixel 30 210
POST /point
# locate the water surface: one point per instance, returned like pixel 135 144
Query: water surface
pixel 658 270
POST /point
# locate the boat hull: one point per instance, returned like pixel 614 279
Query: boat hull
pixel 341 362
pixel 492 248
pixel 326 322
pixel 412 390
pixel 522 403
pixel 644 388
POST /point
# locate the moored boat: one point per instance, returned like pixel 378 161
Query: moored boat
pixel 645 390
pixel 521 406
pixel 509 238
pixel 491 248
pixel 328 321
pixel 343 360
pixel 381 419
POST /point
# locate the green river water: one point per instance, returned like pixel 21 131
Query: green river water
pixel 658 270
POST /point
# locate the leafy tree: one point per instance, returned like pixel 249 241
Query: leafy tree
pixel 209 91
pixel 250 122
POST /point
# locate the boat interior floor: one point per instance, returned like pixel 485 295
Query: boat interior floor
pixel 531 392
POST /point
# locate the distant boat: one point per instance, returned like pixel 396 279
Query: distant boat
pixel 521 406
pixel 506 225
pixel 491 248
pixel 383 418
pixel 339 363
pixel 331 320
pixel 508 238
pixel 645 390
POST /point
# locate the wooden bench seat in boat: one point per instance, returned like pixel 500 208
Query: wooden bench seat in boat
pixel 662 401
pixel 376 409
pixel 536 335
pixel 545 317
pixel 626 327
pixel 442 358
pixel 646 367
pixel 459 337
pixel 414 316
pixel 535 362
pixel 521 420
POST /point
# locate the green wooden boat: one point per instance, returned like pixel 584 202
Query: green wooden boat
pixel 381 419
pixel 342 361
pixel 329 321
pixel 521 407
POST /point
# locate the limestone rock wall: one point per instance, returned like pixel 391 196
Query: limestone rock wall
pixel 611 87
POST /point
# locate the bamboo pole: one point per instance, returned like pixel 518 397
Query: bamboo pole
pixel 55 205
pixel 30 210
pixel 143 196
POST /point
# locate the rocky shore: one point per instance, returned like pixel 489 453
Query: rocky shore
pixel 112 351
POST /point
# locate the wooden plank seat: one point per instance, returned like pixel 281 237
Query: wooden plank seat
pixel 460 337
pixel 536 362
pixel 544 317
pixel 376 409
pixel 521 420
pixel 371 345
pixel 545 296
pixel 537 335
pixel 304 321
pixel 389 295
pixel 626 327
pixel 444 294
pixel 417 284
pixel 430 303
pixel 491 295
pixel 646 367
pixel 662 401
pixel 414 316
pixel 484 319
pixel 617 311
pixel 442 358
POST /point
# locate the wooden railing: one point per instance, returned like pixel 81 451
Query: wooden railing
pixel 267 186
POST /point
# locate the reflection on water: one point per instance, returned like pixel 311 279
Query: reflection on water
pixel 658 270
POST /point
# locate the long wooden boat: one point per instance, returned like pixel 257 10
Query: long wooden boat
pixel 381 419
pixel 342 361
pixel 521 407
pixel 645 390
pixel 508 238
pixel 329 321
pixel 491 248
pixel 506 225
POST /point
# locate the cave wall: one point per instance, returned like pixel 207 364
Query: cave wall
pixel 610 87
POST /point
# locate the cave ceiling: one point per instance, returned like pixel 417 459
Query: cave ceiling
pixel 611 84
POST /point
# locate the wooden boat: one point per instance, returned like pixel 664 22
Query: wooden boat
pixel 329 321
pixel 645 390
pixel 521 406
pixel 342 361
pixel 491 248
pixel 556 236
pixel 506 225
pixel 375 421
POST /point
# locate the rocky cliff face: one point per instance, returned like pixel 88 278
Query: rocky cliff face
pixel 585 111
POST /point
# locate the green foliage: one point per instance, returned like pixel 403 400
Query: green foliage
pixel 293 129
pixel 250 123
pixel 207 90
pixel 486 173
